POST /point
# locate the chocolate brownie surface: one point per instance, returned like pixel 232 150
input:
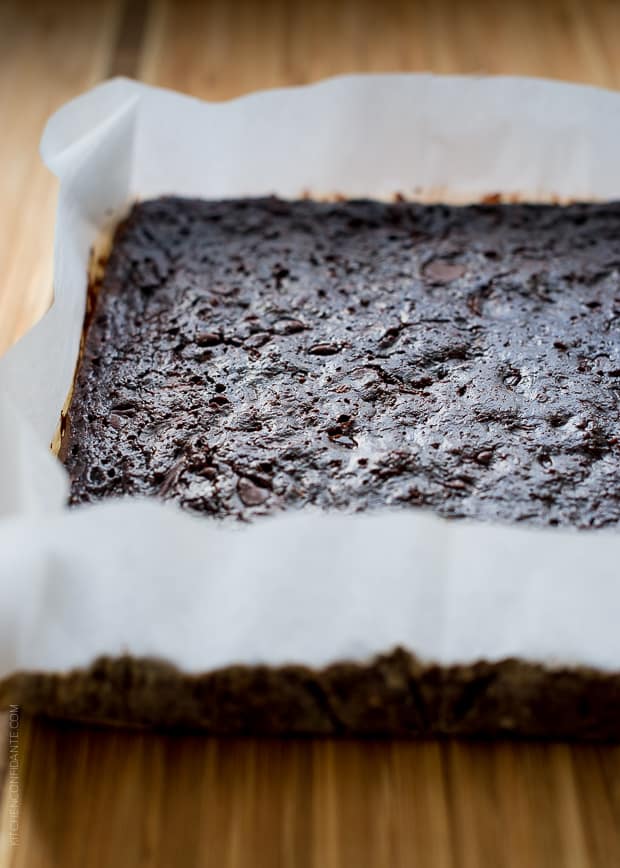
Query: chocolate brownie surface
pixel 247 356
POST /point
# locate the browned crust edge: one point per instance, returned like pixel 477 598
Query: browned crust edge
pixel 392 695
pixel 97 261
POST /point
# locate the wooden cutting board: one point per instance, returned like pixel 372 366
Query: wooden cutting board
pixel 93 798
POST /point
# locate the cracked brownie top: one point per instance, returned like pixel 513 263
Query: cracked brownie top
pixel 252 355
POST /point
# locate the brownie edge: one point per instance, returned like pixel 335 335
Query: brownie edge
pixel 392 695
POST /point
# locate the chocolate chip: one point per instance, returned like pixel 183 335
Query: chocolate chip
pixel 289 326
pixel 124 408
pixel 440 271
pixel 390 336
pixel 250 494
pixel 260 479
pixel 279 272
pixel 257 340
pixel 457 484
pixel 324 350
pixel 512 379
pixel 485 457
pixel 421 382
pixel 207 339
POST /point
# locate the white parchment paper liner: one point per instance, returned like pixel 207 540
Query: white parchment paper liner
pixel 145 579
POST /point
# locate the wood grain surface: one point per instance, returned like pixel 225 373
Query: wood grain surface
pixel 94 798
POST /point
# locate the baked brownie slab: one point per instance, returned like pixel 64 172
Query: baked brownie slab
pixel 252 355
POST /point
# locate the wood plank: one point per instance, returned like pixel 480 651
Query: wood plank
pixel 217 50
pixel 155 800
pixel 48 54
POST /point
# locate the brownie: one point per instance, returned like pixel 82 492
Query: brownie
pixel 392 695
pixel 253 355
pixel 249 356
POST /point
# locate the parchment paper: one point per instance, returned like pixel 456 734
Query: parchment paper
pixel 144 578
